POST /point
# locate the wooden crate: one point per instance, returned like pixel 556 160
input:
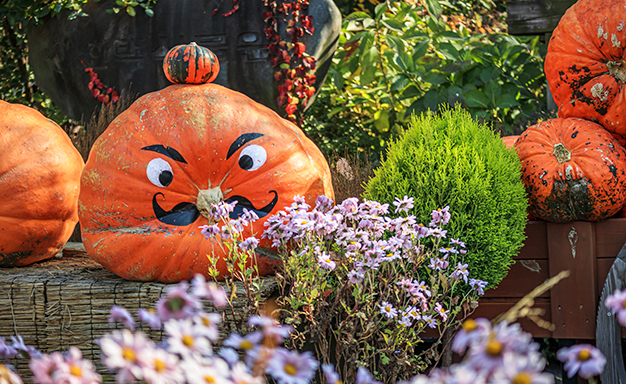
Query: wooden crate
pixel 586 249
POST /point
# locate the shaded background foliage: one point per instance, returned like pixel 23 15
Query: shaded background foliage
pixel 394 59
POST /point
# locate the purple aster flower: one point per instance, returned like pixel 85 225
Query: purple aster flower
pixel 76 370
pixel 221 210
pixel 249 216
pixel 23 349
pixel 177 303
pixel 326 262
pixel 323 203
pixel 211 291
pixel 6 351
pixel 249 244
pixel 457 242
pixel 471 332
pixel 45 366
pixel 441 311
pixel 460 272
pixel 210 231
pixel 244 343
pixel 584 359
pixel 8 376
pixel 291 367
pixel 332 377
pixel 522 369
pixel 122 351
pixel 617 304
pixel 121 315
pixel 149 317
pixel 272 330
pixel 356 277
pixel 430 322
pixel 388 310
pixel 363 376
pixel 403 205
pixel 478 285
pixel 229 355
pixel 440 217
pixel 438 263
pixel 405 321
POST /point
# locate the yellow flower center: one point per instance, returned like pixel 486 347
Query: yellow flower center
pixel 290 369
pixel 494 348
pixel 188 341
pixel 206 321
pixel 76 371
pixel 624 304
pixel 210 379
pixel 584 354
pixel 129 354
pixel 522 378
pixel 159 365
pixel 246 345
pixel 470 325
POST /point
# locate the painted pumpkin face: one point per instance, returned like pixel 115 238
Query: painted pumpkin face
pixel 173 152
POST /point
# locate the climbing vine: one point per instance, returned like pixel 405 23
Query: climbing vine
pixel 294 69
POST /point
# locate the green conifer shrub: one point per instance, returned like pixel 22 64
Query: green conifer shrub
pixel 450 159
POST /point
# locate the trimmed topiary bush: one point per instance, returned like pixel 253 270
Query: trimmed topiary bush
pixel 450 159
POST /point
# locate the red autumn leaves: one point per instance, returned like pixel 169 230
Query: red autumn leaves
pixel 104 94
pixel 295 69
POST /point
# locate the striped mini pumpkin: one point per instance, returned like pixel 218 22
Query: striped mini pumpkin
pixel 190 64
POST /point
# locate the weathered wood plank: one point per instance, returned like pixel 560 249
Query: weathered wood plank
pixel 609 331
pixel 535 17
pixel 491 309
pixel 523 277
pixel 573 300
pixel 536 243
pixel 610 237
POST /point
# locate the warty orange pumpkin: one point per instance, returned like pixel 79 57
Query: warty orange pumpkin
pixel 190 64
pixel 585 65
pixel 148 172
pixel 573 169
pixel 39 185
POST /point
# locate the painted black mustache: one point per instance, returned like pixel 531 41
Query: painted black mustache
pixel 186 213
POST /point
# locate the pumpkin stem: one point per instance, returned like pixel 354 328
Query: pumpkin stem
pixel 617 69
pixel 206 197
pixel 561 153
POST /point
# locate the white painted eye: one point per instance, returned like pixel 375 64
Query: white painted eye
pixel 159 172
pixel 252 157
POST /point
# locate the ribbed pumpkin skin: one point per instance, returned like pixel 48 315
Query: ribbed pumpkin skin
pixel 590 186
pixel 202 123
pixel 39 185
pixel 510 141
pixel 190 64
pixel 585 65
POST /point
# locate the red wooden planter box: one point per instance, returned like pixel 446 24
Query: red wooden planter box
pixel 586 249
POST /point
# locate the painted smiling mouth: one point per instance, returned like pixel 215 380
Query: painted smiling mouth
pixel 186 213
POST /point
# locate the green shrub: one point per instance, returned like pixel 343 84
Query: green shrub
pixel 451 159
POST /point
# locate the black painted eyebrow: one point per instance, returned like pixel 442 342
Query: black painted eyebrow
pixel 241 140
pixel 169 152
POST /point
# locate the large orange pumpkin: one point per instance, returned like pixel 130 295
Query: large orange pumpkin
pixel 573 169
pixel 585 65
pixel 510 141
pixel 39 185
pixel 148 172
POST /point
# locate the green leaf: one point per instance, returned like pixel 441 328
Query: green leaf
pixel 131 11
pixel 507 100
pixel 399 82
pixel 420 49
pixel 393 24
pixel 380 9
pixel 492 90
pixel 435 78
pixel 395 43
pixel 367 41
pixel 381 120
pixel 430 100
pixel 476 99
pixel 404 61
pixel 149 12
pixel 434 8
pixel 357 16
pixel 368 66
pixel 449 51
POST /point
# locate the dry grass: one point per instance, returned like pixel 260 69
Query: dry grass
pixel 350 172
pixel 85 135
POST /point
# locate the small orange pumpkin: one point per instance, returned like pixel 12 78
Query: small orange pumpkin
pixel 155 165
pixel 190 64
pixel 39 185
pixel 573 169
